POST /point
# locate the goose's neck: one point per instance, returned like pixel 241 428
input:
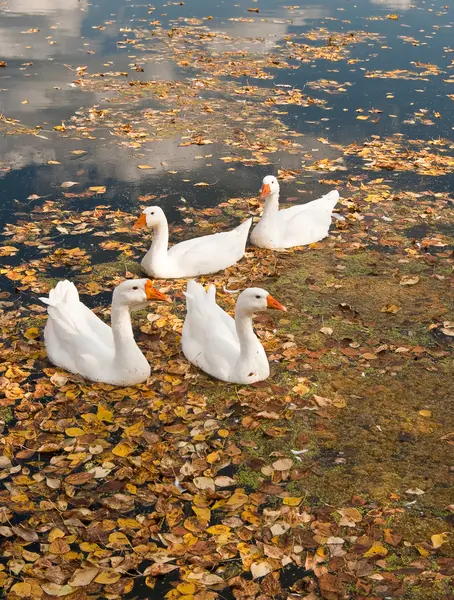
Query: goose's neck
pixel 160 242
pixel 245 331
pixel 122 332
pixel 271 205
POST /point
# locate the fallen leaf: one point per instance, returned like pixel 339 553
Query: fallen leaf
pixel 409 280
pixel 439 539
pixel 83 577
pixel 391 308
pixel 260 569
pixel 123 449
pixel 376 549
pixel 283 464
pixel 32 333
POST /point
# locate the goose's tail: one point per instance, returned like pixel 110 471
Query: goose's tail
pixel 197 297
pixel 243 229
pixel 62 293
pixel 331 198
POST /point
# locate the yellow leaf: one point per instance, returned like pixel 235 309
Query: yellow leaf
pixel 237 499
pixel 74 431
pixel 135 430
pixel 104 414
pixel 201 184
pixel 295 501
pixel 53 162
pixel 376 549
pixel 392 16
pixel 391 308
pixel 439 539
pixel 22 589
pixel 362 117
pixel 187 597
pixel 55 534
pixel 180 411
pixel 250 517
pixel 89 546
pixel 107 577
pixel 186 588
pixel 59 546
pixel 300 389
pixel 212 457
pixel 98 189
pixel 218 529
pixel 144 167
pixel 339 403
pixel 202 513
pixel 90 418
pixel 189 539
pixel 425 413
pixel 223 433
pixel 123 449
pixel 32 333
pixel 132 489
pixel 118 538
pixel 129 524
pixel 422 551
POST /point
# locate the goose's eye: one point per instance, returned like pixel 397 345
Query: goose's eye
pixel 152 213
pixel 258 297
pixel 135 288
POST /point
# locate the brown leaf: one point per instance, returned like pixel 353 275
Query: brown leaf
pixel 83 577
pixel 283 464
pixel 26 534
pixel 59 546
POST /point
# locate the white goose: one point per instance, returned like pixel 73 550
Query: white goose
pixel 77 340
pixel 225 348
pixel 199 256
pixel 295 226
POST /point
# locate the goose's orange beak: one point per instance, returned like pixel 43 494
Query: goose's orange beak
pixel 154 294
pixel 266 190
pixel 272 303
pixel 141 222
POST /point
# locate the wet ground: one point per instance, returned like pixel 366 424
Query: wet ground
pixel 331 480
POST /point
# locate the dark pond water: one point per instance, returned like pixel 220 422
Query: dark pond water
pixel 37 88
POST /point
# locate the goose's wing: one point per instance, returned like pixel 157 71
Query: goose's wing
pixel 211 253
pixel 209 337
pixel 75 337
pixel 307 223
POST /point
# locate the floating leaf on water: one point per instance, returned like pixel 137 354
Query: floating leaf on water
pixel 69 184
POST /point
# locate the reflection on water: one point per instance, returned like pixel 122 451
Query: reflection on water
pixel 45 41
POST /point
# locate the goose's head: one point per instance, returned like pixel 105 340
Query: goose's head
pixel 136 293
pixel 270 185
pixel 255 300
pixel 150 217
